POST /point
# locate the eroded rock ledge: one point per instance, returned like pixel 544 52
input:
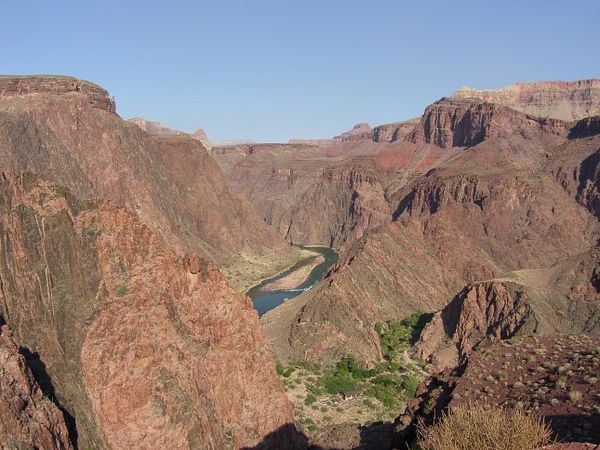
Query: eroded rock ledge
pixel 11 86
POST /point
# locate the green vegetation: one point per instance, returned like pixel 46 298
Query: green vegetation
pixel 371 392
pixel 398 336
pixel 310 399
pixel 121 290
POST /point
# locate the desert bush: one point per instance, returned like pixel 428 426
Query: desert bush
pixel 476 427
pixel 310 399
pixel 121 290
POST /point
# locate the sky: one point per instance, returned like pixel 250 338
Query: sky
pixel 273 70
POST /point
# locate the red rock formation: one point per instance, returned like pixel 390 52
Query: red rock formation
pixel 358 132
pixel 565 100
pixel 392 132
pixel 27 418
pixel 504 208
pixel 486 311
pixel 144 348
pixel 460 123
pixel 171 182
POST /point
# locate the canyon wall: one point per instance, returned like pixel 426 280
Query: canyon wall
pixel 517 206
pixel 171 182
pixel 140 345
pixel 306 197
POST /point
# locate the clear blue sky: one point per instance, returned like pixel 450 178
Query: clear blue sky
pixel 271 70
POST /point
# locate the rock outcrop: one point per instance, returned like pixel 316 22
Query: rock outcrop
pixel 95 96
pixel 565 100
pixel 143 347
pixel 461 123
pixel 482 312
pixel 28 419
pixel 392 132
pixel 552 376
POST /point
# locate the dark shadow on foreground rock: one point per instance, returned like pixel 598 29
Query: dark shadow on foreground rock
pixel 335 437
pixel 285 437
pixel 39 372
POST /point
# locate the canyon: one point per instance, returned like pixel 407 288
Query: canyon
pixel 126 248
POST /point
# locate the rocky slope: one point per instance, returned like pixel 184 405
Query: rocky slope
pixel 565 100
pixel 553 376
pixel 66 131
pixel 141 346
pixel 519 203
pixel 28 419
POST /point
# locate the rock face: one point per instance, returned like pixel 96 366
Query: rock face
pixel 141 346
pixel 358 132
pixel 484 311
pixel 306 202
pixel 95 96
pixel 392 132
pixel 28 419
pixel 565 100
pixel 171 182
pixel 460 123
pixel 518 205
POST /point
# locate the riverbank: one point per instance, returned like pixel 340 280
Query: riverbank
pixel 303 254
pixel 308 270
pixel 297 277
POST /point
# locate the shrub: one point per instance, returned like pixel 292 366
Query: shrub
pixel 401 334
pixel 501 375
pixel 310 399
pixel 279 368
pixel 338 383
pixel 288 372
pixel 409 384
pixel 477 427
pixel 121 290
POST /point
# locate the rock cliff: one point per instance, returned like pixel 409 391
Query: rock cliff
pixel 565 100
pixel 171 182
pixel 461 123
pixel 142 347
pixel 392 132
pixel 95 96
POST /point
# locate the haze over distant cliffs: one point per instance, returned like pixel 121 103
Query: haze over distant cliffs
pixel 159 129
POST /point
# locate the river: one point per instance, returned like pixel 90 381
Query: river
pixel 264 299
